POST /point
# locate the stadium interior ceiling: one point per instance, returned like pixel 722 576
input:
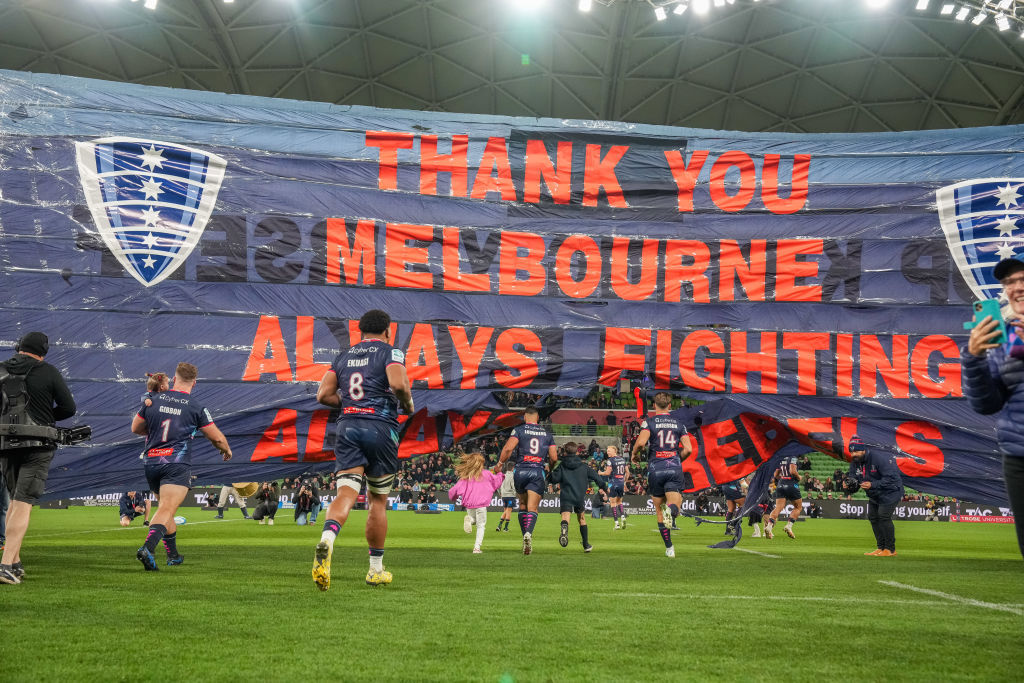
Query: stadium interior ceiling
pixel 768 65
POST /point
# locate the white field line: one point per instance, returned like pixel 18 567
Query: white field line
pixel 786 598
pixel 125 528
pixel 1013 609
pixel 756 552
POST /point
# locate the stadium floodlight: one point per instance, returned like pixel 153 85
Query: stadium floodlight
pixel 731 2
pixel 978 18
pixel 701 6
pixel 962 14
pixel 922 5
pixel 719 3
pixel 149 4
pixel 876 4
pixel 1002 22
pixel 586 5
pixel 660 14
pixel 947 8
pixel 679 9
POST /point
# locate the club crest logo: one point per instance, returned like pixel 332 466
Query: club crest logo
pixel 984 223
pixel 149 200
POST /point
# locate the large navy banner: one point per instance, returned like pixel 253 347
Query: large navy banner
pixel 816 279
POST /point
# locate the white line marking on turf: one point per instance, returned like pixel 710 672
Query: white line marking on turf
pixel 956 598
pixel 128 528
pixel 804 598
pixel 756 552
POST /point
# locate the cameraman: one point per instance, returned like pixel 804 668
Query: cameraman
pixel 305 500
pixel 993 381
pixel 26 462
pixel 134 504
pixel 268 496
pixel 880 478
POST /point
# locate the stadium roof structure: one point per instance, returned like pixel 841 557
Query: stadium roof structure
pixel 768 65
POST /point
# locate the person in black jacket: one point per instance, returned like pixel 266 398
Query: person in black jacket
pixel 26 462
pixel 268 496
pixel 573 475
pixel 880 478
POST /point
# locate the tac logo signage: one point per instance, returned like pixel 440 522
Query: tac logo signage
pixel 149 200
pixel 980 219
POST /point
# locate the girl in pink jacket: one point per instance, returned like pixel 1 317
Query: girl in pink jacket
pixel 476 485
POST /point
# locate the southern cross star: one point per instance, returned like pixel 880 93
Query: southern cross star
pixel 152 158
pixel 1008 195
pixel 151 188
pixel 1006 226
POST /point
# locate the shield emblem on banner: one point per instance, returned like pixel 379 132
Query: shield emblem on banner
pixel 149 200
pixel 984 223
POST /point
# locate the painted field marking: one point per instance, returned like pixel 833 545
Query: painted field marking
pixel 786 598
pixel 757 552
pixel 957 598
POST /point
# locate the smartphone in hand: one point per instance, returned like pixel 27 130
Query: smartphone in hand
pixel 989 307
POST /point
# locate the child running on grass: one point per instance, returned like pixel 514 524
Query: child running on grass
pixel 476 486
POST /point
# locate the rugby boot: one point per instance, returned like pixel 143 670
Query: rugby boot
pixel 322 566
pixel 375 578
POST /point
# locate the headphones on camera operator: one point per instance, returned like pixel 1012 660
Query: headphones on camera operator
pixel 17 428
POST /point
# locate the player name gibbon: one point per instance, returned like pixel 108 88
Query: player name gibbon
pixel 169 410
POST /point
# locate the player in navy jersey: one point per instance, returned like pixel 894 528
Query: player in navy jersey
pixel 667 442
pixel 169 424
pixel 617 471
pixel 787 489
pixel 533 446
pixel 367 382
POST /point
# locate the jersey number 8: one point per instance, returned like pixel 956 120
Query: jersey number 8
pixel 355 386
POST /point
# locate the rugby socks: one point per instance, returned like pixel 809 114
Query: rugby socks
pixel 615 512
pixel 531 520
pixel 506 523
pixel 565 526
pixel 522 523
pixel 377 559
pixel 583 533
pixel 331 531
pixel 156 532
pixel 171 544
pixel 666 534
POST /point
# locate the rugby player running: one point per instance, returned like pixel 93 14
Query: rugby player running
pixel 530 442
pixel 617 469
pixel 667 442
pixel 367 382
pixel 169 422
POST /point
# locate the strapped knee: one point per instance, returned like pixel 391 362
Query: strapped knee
pixel 351 480
pixel 380 485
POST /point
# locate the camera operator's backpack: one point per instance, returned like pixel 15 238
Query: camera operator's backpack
pixel 17 428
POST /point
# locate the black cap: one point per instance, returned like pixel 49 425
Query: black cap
pixel 34 342
pixel 1007 266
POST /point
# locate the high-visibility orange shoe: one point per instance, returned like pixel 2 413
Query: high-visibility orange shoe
pixel 873 552
pixel 886 553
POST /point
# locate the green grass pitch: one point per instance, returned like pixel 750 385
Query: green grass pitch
pixel 244 608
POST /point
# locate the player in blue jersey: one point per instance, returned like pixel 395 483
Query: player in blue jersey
pixel 617 470
pixel 169 423
pixel 667 442
pixel 787 489
pixel 533 446
pixel 367 383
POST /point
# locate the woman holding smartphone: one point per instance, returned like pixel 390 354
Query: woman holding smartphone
pixel 993 381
